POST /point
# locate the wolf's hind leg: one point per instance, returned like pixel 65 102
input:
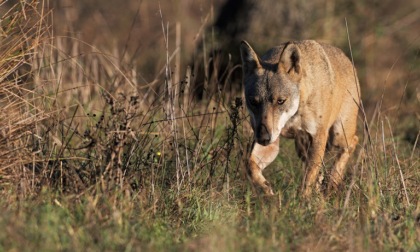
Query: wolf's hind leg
pixel 339 169
pixel 261 157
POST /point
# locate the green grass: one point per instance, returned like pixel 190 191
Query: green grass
pixel 205 220
pixel 376 217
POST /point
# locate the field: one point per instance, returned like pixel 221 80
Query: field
pixel 123 128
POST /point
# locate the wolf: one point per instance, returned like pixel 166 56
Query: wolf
pixel 307 91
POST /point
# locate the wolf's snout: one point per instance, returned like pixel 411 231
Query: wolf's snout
pixel 263 136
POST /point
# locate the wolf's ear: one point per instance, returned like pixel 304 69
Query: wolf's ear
pixel 290 60
pixel 250 60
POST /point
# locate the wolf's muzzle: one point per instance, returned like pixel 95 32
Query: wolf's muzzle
pixel 263 136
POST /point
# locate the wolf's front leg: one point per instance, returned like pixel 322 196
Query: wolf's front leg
pixel 314 162
pixel 261 157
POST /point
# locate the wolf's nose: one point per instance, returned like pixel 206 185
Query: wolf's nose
pixel 263 136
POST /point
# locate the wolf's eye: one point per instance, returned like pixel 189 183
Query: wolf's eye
pixel 281 101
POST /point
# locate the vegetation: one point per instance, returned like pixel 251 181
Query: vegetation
pixel 104 148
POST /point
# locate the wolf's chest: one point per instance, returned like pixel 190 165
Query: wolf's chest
pixel 299 123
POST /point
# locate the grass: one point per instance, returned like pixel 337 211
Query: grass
pixel 91 162
pixel 202 220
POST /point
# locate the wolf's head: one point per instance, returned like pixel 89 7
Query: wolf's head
pixel 271 89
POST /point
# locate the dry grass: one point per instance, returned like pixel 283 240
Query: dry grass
pixel 23 28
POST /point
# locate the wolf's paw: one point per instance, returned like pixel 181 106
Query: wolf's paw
pixel 267 189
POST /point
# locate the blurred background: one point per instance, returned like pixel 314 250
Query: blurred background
pixel 205 35
pixel 384 35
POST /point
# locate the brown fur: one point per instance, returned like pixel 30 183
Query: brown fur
pixel 322 81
